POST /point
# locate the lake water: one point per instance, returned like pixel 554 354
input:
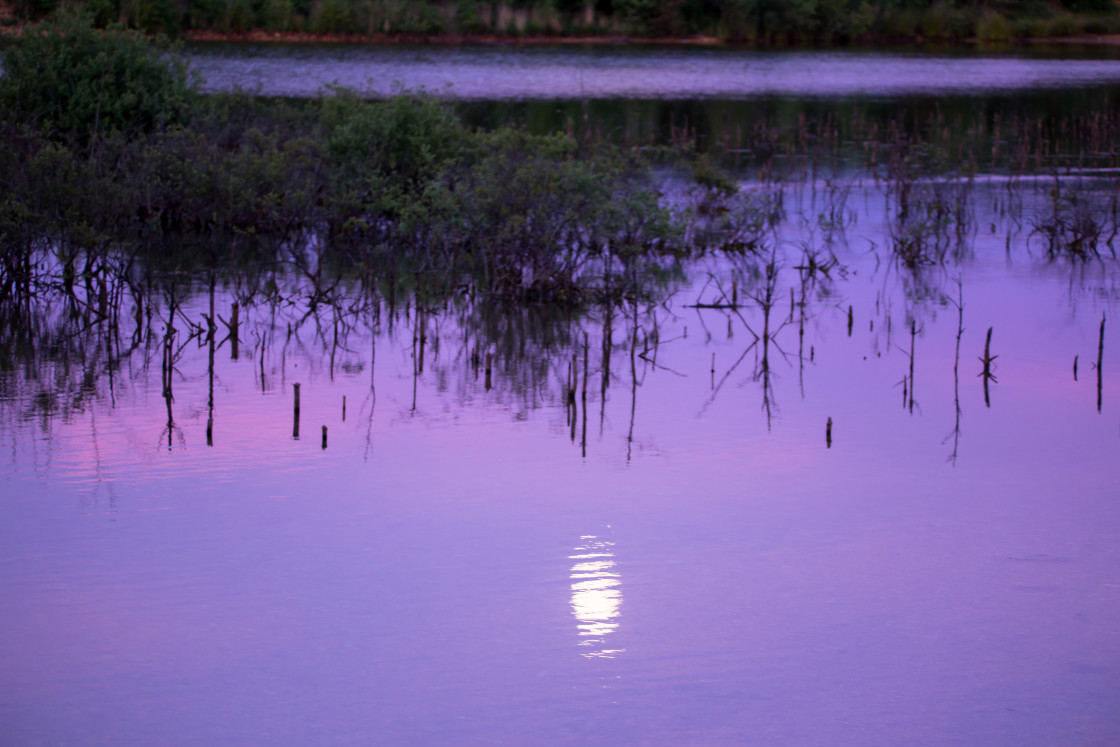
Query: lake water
pixel 788 522
pixel 669 73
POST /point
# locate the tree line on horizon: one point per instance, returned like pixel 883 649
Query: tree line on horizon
pixel 754 21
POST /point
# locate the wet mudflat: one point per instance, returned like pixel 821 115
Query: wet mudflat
pixel 852 483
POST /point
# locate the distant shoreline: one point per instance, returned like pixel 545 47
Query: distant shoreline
pixel 262 36
pixel 606 40
pixel 293 37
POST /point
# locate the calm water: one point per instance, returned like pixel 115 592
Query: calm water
pixel 689 562
pixel 683 558
pixel 499 72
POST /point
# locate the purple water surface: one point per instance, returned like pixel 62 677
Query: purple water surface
pixel 568 72
pixel 452 569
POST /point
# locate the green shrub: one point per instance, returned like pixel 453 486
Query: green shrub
pixel 901 23
pixel 238 15
pixel 862 19
pixel 277 15
pixel 467 18
pixel 993 27
pixel 1066 24
pixel 80 84
pixel 332 17
pixel 534 220
pixel 943 20
pixel 1030 28
pixel 1102 25
pixel 159 16
pixel 1090 6
pixel 103 12
pixel 383 154
pixel 34 9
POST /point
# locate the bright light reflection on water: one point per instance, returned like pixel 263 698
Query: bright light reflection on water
pixel 596 595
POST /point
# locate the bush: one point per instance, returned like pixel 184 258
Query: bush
pixel 332 17
pixel 1031 28
pixel 383 154
pixel 1090 6
pixel 80 84
pixel 535 220
pixel 277 14
pixel 1066 24
pixel 901 23
pixel 1102 25
pixel 944 21
pixel 862 19
pixel 993 27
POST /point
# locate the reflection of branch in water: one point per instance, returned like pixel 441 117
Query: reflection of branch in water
pixel 801 343
pixel 608 343
pixel 583 397
pixel 371 399
pixel 716 389
pixel 956 433
pixel 908 380
pixel 766 300
pixel 762 372
pixel 167 371
pixel 100 478
pixel 633 382
pixel 417 365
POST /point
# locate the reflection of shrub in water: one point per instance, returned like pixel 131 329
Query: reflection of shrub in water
pixel 1072 225
pixel 933 221
pixel 725 217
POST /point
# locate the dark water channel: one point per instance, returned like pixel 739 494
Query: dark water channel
pixel 807 496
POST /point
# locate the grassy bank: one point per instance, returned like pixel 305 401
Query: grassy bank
pixel 764 22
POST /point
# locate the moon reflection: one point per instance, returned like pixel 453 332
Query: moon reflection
pixel 596 596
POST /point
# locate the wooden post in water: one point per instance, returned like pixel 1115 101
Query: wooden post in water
pixel 1100 364
pixel 422 324
pixel 575 379
pixel 828 433
pixel 264 381
pixel 571 404
pixel 489 368
pixel 987 374
pixel 343 409
pixel 210 388
pixel 234 327
pixel 295 411
pixel 324 437
pixel 583 395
